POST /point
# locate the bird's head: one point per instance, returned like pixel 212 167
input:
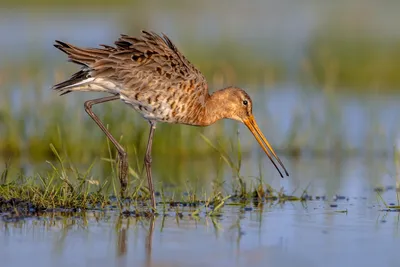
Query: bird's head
pixel 238 106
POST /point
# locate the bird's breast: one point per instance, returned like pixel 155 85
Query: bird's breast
pixel 170 105
pixel 156 111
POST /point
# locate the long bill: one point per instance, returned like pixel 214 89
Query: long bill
pixel 251 123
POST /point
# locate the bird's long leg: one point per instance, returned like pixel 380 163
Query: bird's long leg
pixel 122 155
pixel 147 162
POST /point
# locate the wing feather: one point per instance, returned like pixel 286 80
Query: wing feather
pixel 150 62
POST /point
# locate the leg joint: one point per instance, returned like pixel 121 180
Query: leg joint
pixel 148 159
pixel 88 105
pixel 123 154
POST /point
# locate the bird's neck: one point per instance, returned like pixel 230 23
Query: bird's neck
pixel 214 108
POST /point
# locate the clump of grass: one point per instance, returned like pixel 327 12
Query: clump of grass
pixel 62 188
pixel 31 194
pixel 55 190
pixel 212 206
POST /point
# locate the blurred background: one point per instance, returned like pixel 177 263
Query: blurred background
pixel 323 75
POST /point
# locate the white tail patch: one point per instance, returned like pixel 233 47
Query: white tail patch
pixel 94 85
pixel 84 82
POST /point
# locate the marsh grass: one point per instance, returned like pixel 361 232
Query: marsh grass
pixel 66 188
pixel 59 189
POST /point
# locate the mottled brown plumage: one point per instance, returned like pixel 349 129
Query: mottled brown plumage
pixel 149 74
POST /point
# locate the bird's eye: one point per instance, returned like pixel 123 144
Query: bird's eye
pixel 245 102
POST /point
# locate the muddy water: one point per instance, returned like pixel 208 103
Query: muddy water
pixel 316 233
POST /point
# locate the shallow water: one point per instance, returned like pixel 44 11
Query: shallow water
pixel 288 234
pixel 350 227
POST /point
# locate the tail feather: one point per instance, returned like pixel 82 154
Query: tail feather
pixel 87 85
pixel 83 80
pixel 76 78
pixel 83 56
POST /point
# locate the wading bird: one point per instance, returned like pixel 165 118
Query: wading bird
pixel 152 76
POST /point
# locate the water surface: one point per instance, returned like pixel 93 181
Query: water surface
pixel 287 234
